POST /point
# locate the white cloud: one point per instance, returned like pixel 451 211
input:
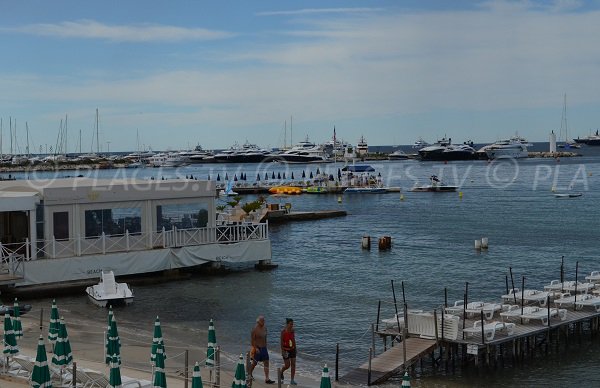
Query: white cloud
pixel 314 11
pixel 90 29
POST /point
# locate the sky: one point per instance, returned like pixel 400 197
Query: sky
pixel 170 75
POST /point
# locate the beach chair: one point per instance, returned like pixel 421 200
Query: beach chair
pixel 22 366
pixel 473 309
pixel 456 309
pixel 88 378
pixel 527 296
pixel 490 329
pixel 565 299
pixel 588 300
pixel 535 313
pixel 593 277
pixel 582 288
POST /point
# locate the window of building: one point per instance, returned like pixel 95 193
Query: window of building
pixel 181 216
pixel 113 222
pixel 60 221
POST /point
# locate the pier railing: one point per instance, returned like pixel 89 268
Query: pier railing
pixel 12 255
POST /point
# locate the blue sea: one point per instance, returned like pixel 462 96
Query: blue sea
pixel 331 287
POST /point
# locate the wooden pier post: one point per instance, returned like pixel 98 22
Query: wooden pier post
pixel 337 360
pixel 512 282
pixel 482 328
pixel 369 370
pixel 373 337
pixel 378 312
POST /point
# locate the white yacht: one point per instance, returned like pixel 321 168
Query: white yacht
pixel 304 152
pixel 62 232
pixel 420 143
pixel 362 148
pixel 515 147
pixel 163 159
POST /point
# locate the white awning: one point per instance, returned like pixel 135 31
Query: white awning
pixel 18 200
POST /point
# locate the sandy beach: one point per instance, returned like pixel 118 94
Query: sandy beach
pixel 86 340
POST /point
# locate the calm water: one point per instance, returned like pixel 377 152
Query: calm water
pixel 331 287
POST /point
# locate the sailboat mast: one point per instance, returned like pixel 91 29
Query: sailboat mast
pixel 285 134
pixel 66 133
pixel 27 134
pixel 1 149
pixel 97 137
pixel 11 134
pixel 291 142
pixel 565 115
pixel 80 141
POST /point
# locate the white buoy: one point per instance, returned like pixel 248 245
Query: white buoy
pixel 366 242
pixel 484 243
pixel 478 245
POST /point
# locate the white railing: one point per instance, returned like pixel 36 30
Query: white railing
pixel 12 255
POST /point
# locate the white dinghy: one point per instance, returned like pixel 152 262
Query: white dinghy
pixel 108 292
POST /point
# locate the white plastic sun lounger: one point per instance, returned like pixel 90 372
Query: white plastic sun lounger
pixel 556 285
pixel 587 300
pixel 456 309
pixel 566 299
pixel 490 329
pixel 473 309
pixel 527 296
pixel 542 314
pixel 594 277
pixel 581 287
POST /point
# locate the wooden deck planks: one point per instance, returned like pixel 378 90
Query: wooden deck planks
pixel 389 362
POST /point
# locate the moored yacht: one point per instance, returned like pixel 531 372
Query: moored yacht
pixel 444 150
pixel 248 153
pixel 304 152
pixel 362 148
pixel 515 147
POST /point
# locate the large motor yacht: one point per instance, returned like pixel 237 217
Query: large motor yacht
pixel 515 147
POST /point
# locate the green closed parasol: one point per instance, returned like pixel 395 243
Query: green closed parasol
pixel 196 378
pixel 40 376
pixel 239 379
pixel 17 328
pixel 325 380
pixel 114 380
pixel 113 343
pixel 160 380
pixel 10 341
pixel 406 380
pixel 212 345
pixel 157 342
pixel 54 323
pixel 62 348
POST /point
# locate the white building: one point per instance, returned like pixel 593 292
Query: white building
pixel 66 230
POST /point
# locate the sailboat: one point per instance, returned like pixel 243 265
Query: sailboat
pixel 568 143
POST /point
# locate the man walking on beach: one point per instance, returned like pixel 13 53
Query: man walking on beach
pixel 259 347
pixel 288 349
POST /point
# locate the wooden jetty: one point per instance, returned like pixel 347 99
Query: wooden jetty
pixel 474 336
pixel 388 363
pixel 280 216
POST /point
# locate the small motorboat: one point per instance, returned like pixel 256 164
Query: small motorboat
pixel 567 195
pixel 435 186
pixel 23 309
pixel 108 292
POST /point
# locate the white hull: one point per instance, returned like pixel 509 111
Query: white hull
pixel 506 153
pixel 79 268
pixel 110 302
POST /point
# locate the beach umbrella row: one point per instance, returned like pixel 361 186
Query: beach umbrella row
pixel 196 377
pixel 114 379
